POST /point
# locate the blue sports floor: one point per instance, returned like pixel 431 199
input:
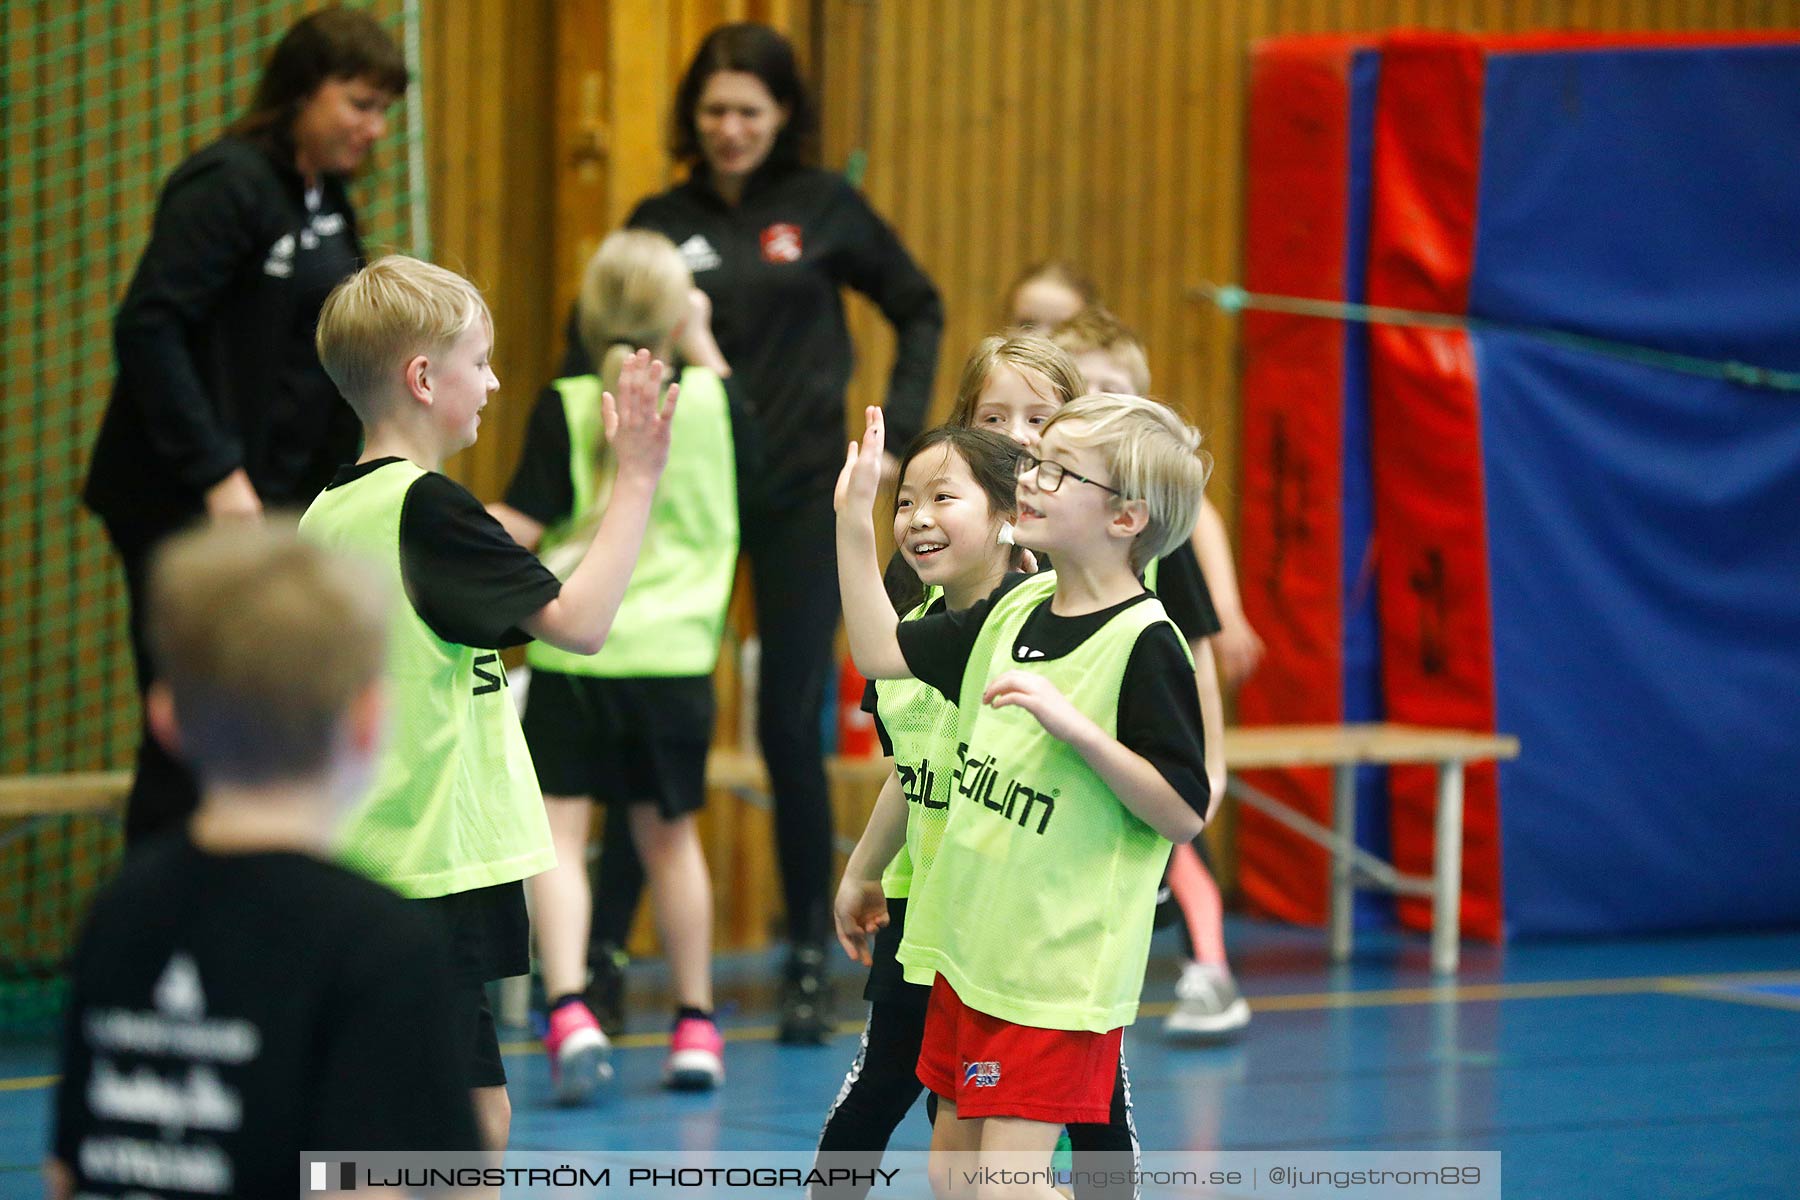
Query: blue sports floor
pixel 1665 1067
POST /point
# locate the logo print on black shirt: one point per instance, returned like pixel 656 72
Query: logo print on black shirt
pixel 700 254
pixel 781 243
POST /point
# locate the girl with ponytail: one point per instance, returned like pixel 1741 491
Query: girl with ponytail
pixel 630 726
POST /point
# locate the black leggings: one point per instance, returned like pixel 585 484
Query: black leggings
pixel 883 1083
pixel 793 575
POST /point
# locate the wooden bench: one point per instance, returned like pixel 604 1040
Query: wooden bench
pixel 1342 748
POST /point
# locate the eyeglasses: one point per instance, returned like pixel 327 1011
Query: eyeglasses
pixel 1050 474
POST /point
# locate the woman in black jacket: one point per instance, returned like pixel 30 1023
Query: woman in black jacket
pixel 220 407
pixel 772 241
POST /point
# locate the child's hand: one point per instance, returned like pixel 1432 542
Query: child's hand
pixel 1039 697
pixel 694 339
pixel 859 910
pixel 699 309
pixel 1239 648
pixel 861 476
pixel 638 432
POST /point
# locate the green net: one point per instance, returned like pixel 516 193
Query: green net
pixel 100 101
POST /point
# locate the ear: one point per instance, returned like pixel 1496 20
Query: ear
pixel 159 714
pixel 786 111
pixel 417 378
pixel 1129 518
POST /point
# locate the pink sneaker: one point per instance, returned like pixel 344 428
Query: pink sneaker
pixel 696 1056
pixel 580 1056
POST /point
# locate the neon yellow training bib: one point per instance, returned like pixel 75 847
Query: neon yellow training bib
pixel 921 724
pixel 673 614
pixel 1038 906
pixel 455 805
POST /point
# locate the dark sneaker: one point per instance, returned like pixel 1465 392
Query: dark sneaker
pixel 605 993
pixel 805 1000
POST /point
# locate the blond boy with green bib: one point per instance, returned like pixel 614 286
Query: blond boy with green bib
pixel 1081 761
pixel 455 819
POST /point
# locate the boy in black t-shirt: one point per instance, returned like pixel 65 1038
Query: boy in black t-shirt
pixel 236 999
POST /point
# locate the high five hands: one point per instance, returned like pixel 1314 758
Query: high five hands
pixel 636 429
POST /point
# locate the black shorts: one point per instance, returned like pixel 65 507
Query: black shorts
pixel 887 981
pixel 630 741
pixel 473 1021
pixel 489 936
pixel 487 931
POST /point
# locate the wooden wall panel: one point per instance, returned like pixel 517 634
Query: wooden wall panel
pixel 489 70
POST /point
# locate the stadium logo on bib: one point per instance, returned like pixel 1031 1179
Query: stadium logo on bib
pixel 918 783
pixel 781 243
pixel 978 779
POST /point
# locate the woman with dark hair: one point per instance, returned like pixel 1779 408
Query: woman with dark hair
pixel 220 407
pixel 772 241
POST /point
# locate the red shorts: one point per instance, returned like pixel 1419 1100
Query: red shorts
pixel 993 1068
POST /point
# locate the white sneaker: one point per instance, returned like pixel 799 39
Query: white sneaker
pixel 1207 1004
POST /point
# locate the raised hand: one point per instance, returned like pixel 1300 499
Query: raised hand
pixel 636 429
pixel 861 477
pixel 1039 697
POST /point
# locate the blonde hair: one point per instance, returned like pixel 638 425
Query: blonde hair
pixel 380 317
pixel 1152 455
pixel 1055 270
pixel 1022 352
pixel 1095 328
pixel 633 295
pixel 263 641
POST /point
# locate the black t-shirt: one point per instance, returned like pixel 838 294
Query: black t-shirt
pixel 1159 707
pixel 466 577
pixel 1181 586
pixel 227 1012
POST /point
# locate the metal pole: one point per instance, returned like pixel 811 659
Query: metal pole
pixel 1343 878
pixel 1446 902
